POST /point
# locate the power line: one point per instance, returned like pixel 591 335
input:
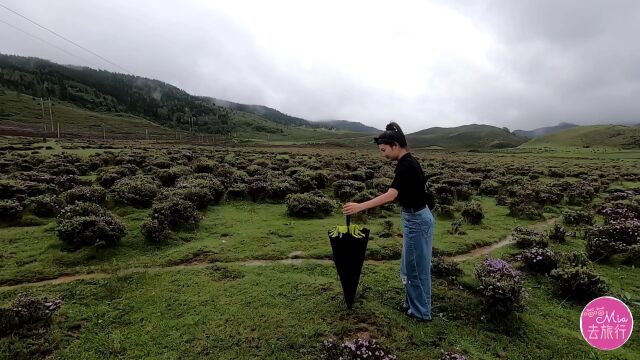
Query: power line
pixel 45 41
pixel 66 39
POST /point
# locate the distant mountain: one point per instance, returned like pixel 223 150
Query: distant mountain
pixel 618 136
pixel 348 125
pixel 539 132
pixel 263 111
pixel 465 137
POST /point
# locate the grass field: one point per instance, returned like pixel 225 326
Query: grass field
pixel 253 282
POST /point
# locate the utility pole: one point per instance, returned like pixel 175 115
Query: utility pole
pixel 146 133
pixel 43 120
pixel 58 129
pixel 51 115
pixel 104 133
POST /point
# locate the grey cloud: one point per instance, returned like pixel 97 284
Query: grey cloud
pixel 552 61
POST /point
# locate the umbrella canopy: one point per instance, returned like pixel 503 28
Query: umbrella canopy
pixel 349 245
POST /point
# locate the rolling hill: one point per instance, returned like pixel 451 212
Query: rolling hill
pixel 348 125
pixel 539 132
pixel 615 136
pixel 465 137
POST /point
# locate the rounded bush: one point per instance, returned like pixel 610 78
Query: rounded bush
pixel 524 209
pixel 199 197
pixel 472 213
pixel 613 238
pixel 577 218
pixel 580 194
pixel 85 194
pixel 156 232
pixel 168 177
pixel 308 205
pixel 280 188
pixel 176 213
pixel 557 233
pixel 525 238
pixel 10 210
pixel 489 187
pixel 445 211
pixel 137 191
pixel 379 185
pixel 68 182
pixel 108 176
pixel 501 287
pixel 203 166
pixel 258 190
pixel 573 259
pixel 82 209
pixel 81 231
pixel 203 181
pixel 346 189
pixel 237 192
pixel 541 260
pixel 305 181
pixel 45 205
pixel 387 229
pixel 444 268
pixel 578 283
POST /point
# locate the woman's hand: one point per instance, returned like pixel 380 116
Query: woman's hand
pixel 352 208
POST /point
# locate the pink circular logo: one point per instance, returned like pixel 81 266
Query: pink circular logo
pixel 606 323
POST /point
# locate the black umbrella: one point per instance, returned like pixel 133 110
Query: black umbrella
pixel 349 245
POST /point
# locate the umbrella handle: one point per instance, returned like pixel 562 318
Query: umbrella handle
pixel 348 221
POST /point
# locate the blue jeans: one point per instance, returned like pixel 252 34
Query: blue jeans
pixel 415 264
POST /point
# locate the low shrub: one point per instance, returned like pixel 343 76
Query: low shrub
pixel 88 194
pixel 578 283
pixel 501 288
pixel 309 205
pixel 137 191
pixel 176 213
pixel 10 210
pixel 541 260
pixel 472 213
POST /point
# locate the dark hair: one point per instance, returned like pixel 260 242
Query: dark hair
pixel 393 135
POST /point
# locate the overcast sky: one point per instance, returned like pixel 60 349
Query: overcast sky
pixel 520 64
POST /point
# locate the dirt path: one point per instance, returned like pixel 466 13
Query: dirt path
pixel 289 261
pixel 484 250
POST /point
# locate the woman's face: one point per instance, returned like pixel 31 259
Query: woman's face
pixel 388 151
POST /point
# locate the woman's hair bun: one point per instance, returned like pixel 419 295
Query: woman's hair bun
pixel 393 126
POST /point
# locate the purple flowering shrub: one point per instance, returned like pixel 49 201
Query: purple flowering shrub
pixel 501 287
pixel 614 237
pixel 581 193
pixel 541 260
pixel 354 350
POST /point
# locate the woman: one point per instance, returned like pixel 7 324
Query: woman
pixel 408 187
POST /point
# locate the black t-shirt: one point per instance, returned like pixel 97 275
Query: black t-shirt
pixel 409 182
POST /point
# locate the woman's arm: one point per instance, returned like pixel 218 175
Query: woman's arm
pixel 352 208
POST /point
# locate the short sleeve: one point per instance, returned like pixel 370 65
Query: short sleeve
pixel 399 178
